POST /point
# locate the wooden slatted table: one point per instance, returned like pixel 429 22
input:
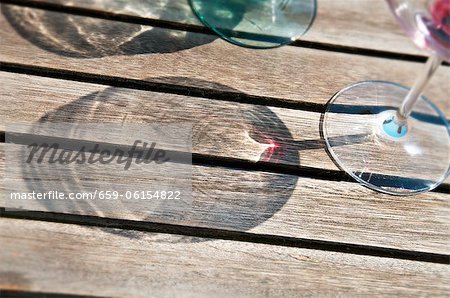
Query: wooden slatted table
pixel 292 226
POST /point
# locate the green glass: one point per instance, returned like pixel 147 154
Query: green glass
pixel 257 23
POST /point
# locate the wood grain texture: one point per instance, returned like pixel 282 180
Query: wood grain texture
pixel 52 257
pixel 296 133
pixel 71 259
pixel 31 99
pixel 367 24
pixel 257 202
pixel 189 59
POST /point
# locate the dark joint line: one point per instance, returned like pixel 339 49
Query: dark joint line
pixel 171 25
pixel 211 233
pixel 226 162
pixel 227 96
pixel 136 84
pixel 31 294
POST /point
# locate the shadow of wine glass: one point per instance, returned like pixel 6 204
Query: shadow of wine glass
pixel 87 37
pixel 220 128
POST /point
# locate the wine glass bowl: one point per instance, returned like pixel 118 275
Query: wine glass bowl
pixel 256 23
pixel 426 22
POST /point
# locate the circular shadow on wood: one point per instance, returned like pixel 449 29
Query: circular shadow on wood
pixel 223 198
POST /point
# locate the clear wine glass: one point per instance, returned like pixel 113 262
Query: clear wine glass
pixel 256 23
pixel 386 136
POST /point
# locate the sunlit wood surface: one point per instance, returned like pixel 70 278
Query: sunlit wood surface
pixel 288 223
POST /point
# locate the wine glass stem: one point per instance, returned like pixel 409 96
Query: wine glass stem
pixel 416 91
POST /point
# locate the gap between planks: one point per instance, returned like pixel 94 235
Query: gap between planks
pixel 257 202
pixel 113 262
pixel 333 29
pixel 302 150
pixel 202 62
pixel 219 234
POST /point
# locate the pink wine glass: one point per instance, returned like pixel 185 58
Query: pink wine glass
pixel 388 137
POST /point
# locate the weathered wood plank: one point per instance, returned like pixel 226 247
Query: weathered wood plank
pixel 322 190
pixel 190 59
pixel 258 202
pixel 365 24
pixel 59 258
pixel 30 99
pixel 253 128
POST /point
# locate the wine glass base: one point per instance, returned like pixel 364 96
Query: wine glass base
pixel 365 141
pixel 256 24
